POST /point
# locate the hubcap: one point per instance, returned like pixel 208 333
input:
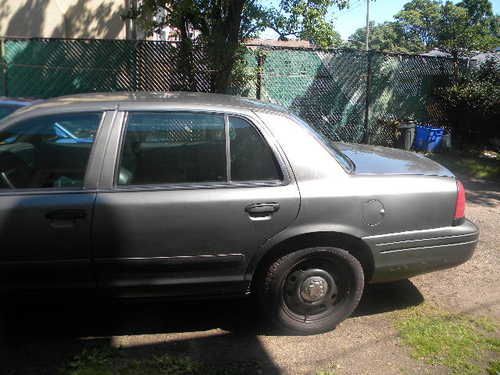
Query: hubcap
pixel 313 288
pixel 310 292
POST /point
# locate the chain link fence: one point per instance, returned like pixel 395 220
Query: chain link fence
pixel 348 95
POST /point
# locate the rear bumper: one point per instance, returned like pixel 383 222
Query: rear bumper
pixel 402 255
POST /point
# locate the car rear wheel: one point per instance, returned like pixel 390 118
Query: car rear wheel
pixel 311 290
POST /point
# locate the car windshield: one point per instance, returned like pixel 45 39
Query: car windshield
pixel 344 161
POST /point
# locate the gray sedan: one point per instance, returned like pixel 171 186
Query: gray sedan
pixel 182 194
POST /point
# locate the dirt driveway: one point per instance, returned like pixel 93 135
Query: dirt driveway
pixel 38 338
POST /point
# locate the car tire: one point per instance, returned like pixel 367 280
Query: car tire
pixel 311 290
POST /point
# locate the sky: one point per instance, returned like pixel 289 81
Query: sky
pixel 348 20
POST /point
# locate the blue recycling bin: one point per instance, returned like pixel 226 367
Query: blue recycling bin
pixel 428 138
pixel 435 139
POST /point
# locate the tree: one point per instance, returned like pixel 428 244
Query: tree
pixel 479 11
pixel 457 29
pixel 458 34
pixel 222 23
pixel 386 37
pixel 424 24
pixel 225 23
pixel 418 22
pixel 307 20
pixel 473 102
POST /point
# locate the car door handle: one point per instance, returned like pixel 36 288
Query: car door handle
pixel 262 208
pixel 66 215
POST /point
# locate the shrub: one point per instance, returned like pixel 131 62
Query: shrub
pixel 472 103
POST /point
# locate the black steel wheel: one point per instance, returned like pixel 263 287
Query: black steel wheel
pixel 311 290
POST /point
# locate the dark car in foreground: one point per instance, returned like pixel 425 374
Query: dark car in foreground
pixel 196 195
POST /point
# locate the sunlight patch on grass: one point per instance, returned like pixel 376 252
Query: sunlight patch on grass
pixel 487 168
pixel 461 343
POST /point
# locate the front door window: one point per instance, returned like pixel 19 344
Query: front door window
pixel 47 151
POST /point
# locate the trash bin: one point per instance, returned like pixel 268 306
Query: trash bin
pixel 407 135
pixel 428 138
pixel 421 136
pixel 435 139
pixel 446 145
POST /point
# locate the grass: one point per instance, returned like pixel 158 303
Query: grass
pixel 485 165
pixel 107 361
pixel 328 370
pixel 461 343
pixel 494 368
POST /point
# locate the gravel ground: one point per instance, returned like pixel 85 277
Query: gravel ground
pixel 473 287
pixel 37 338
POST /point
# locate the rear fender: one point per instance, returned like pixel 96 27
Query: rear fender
pixel 312 235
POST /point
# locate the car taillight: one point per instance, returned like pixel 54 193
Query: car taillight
pixel 460 204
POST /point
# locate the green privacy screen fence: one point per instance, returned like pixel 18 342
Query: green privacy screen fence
pixel 348 95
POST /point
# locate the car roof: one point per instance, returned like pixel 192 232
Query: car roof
pixel 146 100
pixel 15 101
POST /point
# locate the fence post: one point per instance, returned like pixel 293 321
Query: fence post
pixel 366 136
pixel 134 65
pixel 3 62
pixel 261 58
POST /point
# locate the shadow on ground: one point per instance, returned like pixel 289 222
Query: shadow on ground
pixel 37 338
pixel 482 192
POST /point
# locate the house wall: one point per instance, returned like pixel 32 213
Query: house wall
pixel 64 19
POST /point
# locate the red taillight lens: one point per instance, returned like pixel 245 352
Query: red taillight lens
pixel 460 204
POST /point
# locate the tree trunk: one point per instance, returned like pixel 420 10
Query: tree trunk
pixel 223 43
pixel 185 59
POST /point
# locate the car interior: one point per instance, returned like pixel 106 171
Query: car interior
pixel 173 148
pixel 34 155
pixel 182 150
pixel 157 149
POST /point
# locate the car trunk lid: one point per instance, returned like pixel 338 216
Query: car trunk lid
pixel 379 160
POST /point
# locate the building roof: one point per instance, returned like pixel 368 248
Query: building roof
pixel 292 43
pixel 483 57
pixel 436 53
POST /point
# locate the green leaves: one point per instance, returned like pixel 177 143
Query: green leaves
pixel 223 24
pixel 386 37
pixel 421 25
pixel 458 35
pixel 418 22
pixel 473 100
pixel 306 20
pixel 475 92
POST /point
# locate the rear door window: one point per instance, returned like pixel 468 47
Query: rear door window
pixel 193 147
pixel 173 148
